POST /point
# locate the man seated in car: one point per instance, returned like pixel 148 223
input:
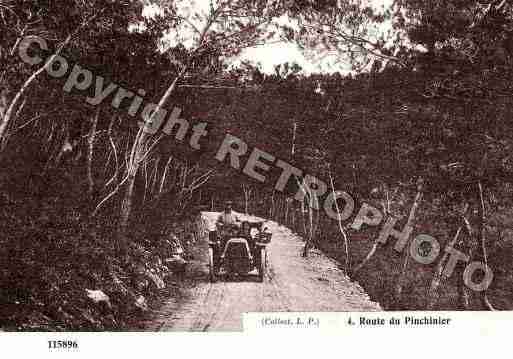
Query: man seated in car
pixel 227 216
pixel 227 220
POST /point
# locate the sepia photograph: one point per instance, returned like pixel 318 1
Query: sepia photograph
pixel 223 165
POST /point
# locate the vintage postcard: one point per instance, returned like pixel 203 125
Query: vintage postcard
pixel 317 169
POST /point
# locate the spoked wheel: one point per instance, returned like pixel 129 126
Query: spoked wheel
pixel 212 268
pixel 262 264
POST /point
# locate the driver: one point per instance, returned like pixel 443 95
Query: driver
pixel 227 217
pixel 227 223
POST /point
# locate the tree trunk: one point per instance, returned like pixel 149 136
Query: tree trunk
pixel 340 227
pixel 376 244
pixel 293 215
pixel 287 202
pixel 482 237
pixel 138 153
pixel 10 110
pixel 437 278
pixel 293 146
pixel 90 151
pixel 154 177
pixel 126 209
pixel 402 276
pixel 271 209
pixel 247 195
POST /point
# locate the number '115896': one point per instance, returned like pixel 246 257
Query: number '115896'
pixel 62 344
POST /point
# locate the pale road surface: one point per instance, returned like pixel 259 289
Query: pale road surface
pixel 291 284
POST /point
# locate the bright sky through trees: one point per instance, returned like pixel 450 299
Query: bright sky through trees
pixel 273 52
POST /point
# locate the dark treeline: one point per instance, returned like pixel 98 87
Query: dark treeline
pixel 421 130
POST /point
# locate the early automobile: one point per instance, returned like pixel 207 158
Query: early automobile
pixel 237 250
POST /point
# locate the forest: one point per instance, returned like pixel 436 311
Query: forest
pixel 419 128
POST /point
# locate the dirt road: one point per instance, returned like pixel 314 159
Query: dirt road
pixel 292 283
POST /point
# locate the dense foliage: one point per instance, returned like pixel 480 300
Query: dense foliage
pixel 86 198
